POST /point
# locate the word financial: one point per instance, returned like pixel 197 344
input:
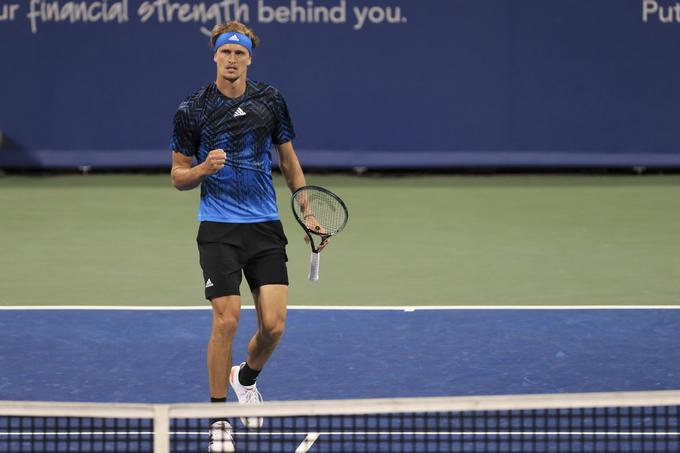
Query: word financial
pixel 41 11
pixel 98 11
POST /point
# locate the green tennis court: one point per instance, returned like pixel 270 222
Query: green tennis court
pixel 412 240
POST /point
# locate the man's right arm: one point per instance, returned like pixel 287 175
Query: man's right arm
pixel 186 177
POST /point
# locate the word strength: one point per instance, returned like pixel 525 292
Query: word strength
pixel 167 11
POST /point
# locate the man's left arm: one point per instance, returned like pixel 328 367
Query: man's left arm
pixel 292 172
pixel 290 166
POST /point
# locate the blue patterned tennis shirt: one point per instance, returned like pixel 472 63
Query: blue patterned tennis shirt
pixel 245 128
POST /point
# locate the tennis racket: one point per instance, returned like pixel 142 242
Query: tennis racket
pixel 321 214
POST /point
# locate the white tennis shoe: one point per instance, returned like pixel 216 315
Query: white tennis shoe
pixel 221 440
pixel 246 395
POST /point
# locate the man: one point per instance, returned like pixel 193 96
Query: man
pixel 229 126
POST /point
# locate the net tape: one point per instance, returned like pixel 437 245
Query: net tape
pixel 637 421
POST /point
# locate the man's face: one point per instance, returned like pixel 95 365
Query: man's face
pixel 232 61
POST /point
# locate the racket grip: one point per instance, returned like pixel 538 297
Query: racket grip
pixel 314 267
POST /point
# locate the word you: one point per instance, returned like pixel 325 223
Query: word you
pixel 8 12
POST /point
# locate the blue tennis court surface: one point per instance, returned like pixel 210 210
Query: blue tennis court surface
pixel 159 355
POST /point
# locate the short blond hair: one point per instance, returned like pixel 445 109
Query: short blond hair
pixel 234 26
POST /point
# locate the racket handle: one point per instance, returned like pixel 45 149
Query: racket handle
pixel 314 267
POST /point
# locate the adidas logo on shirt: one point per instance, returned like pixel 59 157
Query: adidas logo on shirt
pixel 239 112
pixel 208 284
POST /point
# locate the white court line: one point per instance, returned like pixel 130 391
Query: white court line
pixel 76 433
pixel 307 443
pixel 312 437
pixel 316 435
pixel 348 307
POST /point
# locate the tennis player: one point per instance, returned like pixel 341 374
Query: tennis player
pixel 228 128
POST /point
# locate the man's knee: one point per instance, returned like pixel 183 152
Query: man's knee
pixel 273 331
pixel 225 319
pixel 225 324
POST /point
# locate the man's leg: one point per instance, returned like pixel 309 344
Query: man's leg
pixel 226 312
pixel 270 304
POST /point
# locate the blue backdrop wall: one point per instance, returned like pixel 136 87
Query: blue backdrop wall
pixel 403 83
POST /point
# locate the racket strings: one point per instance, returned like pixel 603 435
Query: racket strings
pixel 326 210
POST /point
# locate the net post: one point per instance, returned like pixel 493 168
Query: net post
pixel 161 428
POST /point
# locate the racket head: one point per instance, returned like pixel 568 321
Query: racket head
pixel 319 211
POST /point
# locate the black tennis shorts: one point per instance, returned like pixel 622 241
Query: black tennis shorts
pixel 228 249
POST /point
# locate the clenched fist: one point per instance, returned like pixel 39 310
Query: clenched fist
pixel 215 160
